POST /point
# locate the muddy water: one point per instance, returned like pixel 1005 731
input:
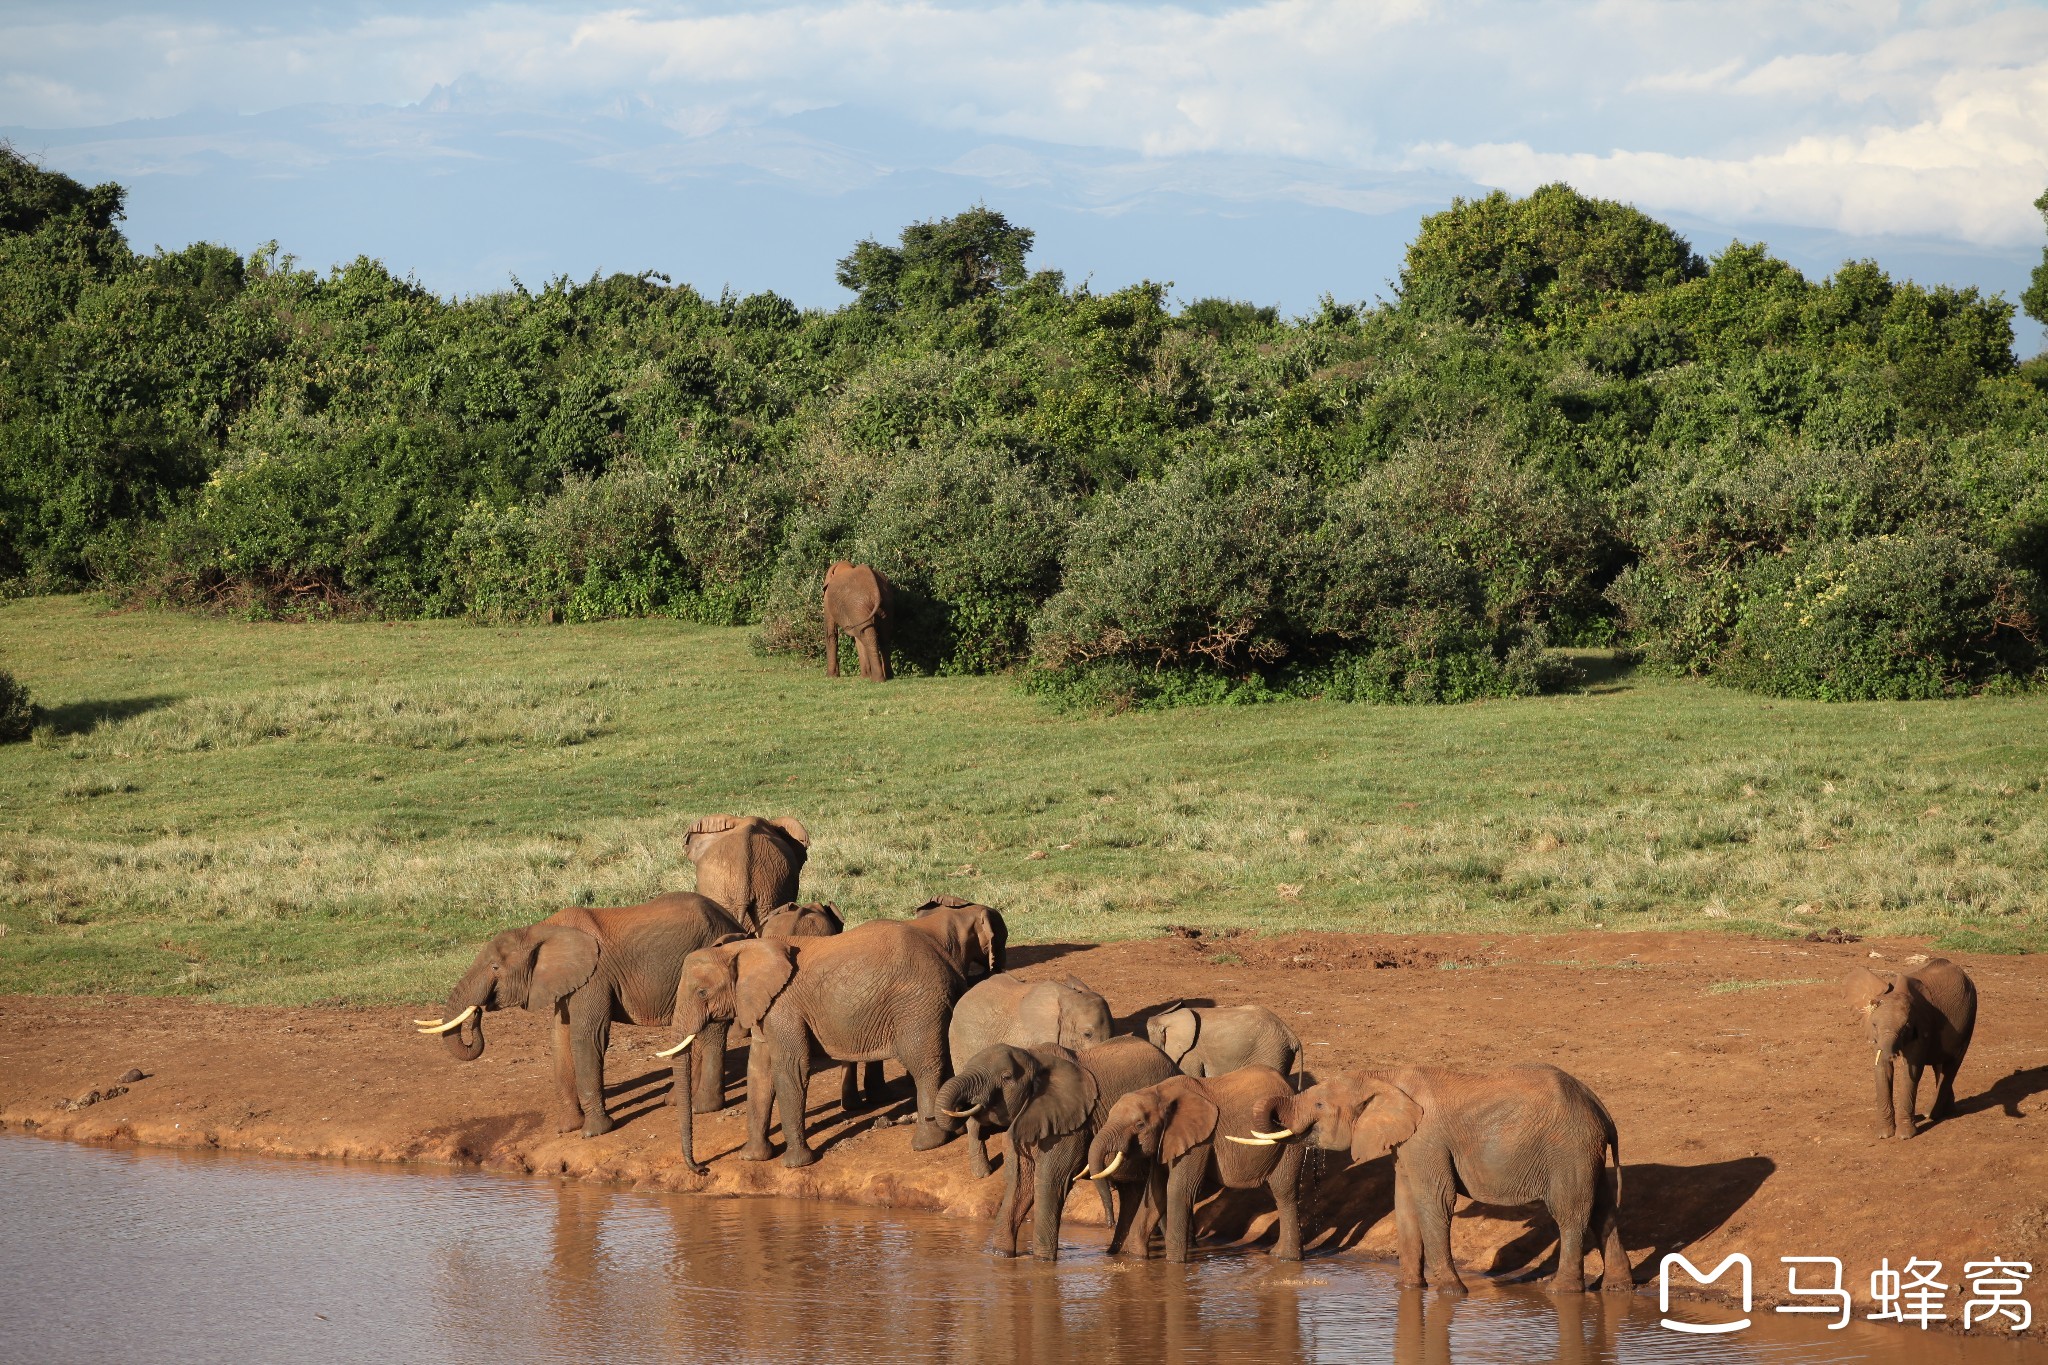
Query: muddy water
pixel 131 1255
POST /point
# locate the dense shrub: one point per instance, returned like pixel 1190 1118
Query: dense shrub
pixel 17 712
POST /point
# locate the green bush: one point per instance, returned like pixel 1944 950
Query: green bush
pixel 17 712
pixel 1896 617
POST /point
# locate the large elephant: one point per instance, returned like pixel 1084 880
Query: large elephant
pixel 1052 1099
pixel 1171 1131
pixel 1218 1039
pixel 1522 1135
pixel 590 969
pixel 1921 1019
pixel 857 601
pixel 973 937
pixel 822 920
pixel 747 864
pixel 1005 1009
pixel 877 992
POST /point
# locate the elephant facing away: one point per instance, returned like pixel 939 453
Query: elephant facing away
pixel 1187 1132
pixel 857 601
pixel 1527 1134
pixel 590 969
pixel 878 992
pixel 747 864
pixel 1052 1099
pixel 973 937
pixel 1006 1009
pixel 818 920
pixel 1219 1039
pixel 1921 1019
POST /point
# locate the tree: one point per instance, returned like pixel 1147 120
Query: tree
pixel 31 196
pixel 2035 300
pixel 941 264
pixel 1538 260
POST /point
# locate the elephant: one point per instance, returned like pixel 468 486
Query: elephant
pixel 1005 1009
pixel 747 864
pixel 1922 1018
pixel 1170 1131
pixel 592 968
pixel 818 920
pixel 880 991
pixel 857 601
pixel 1052 1099
pixel 1525 1134
pixel 1217 1040
pixel 973 937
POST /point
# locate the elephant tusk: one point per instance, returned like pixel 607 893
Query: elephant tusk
pixel 678 1047
pixel 964 1113
pixel 1250 1141
pixel 1880 1056
pixel 426 1023
pixel 1279 1136
pixel 444 1025
pixel 1107 1171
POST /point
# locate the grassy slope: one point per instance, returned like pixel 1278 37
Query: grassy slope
pixel 291 813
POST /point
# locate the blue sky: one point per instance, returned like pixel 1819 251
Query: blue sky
pixel 1265 151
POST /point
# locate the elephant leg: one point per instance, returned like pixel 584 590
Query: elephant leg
pixel 1573 1212
pixel 1183 1183
pixel 568 1107
pixel 927 1070
pixel 588 1038
pixel 707 1095
pixel 1057 1167
pixel 1151 1211
pixel 1906 1097
pixel 977 1150
pixel 1433 1193
pixel 760 1100
pixel 1285 1183
pixel 1616 1275
pixel 792 1086
pixel 1009 1218
pixel 871 1083
pixel 1104 1194
pixel 1887 1104
pixel 864 645
pixel 831 646
pixel 1944 1090
pixel 849 1088
pixel 1129 1198
pixel 1407 1235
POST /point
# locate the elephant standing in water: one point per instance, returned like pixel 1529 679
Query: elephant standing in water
pixel 880 991
pixel 857 601
pixel 1921 1019
pixel 1521 1135
pixel 1185 1130
pixel 747 864
pixel 1052 1100
pixel 590 969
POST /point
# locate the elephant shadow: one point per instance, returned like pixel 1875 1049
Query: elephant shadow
pixel 1134 1022
pixel 81 717
pixel 638 1096
pixel 1668 1207
pixel 1031 954
pixel 1339 1203
pixel 2005 1093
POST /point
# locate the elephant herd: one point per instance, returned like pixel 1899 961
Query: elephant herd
pixel 1209 1098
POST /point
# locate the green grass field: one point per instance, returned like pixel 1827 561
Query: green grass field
pixel 292 813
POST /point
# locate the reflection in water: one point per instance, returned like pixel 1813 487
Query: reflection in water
pixel 126 1255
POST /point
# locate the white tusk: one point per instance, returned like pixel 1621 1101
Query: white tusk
pixel 1880 1056
pixel 1283 1133
pixel 1250 1141
pixel 1107 1171
pixel 443 1026
pixel 426 1023
pixel 964 1113
pixel 678 1047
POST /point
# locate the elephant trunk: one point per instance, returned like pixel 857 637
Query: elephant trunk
pixel 962 1098
pixel 472 993
pixel 684 1089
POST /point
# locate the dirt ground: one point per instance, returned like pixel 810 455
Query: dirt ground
pixel 1746 1115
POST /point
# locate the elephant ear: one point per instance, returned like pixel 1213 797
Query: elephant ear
pixel 942 902
pixel 762 969
pixel 1388 1118
pixel 831 912
pixel 1190 1118
pixel 1177 1033
pixel 563 959
pixel 1866 988
pixel 1062 1099
pixel 699 836
pixel 793 827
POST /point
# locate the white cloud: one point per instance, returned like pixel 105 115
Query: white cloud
pixel 1861 115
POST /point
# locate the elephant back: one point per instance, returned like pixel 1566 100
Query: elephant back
pixel 1121 1066
pixel 748 864
pixel 642 947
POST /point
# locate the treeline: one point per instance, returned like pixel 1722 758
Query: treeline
pixel 1568 428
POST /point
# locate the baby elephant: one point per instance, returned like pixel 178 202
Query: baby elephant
pixel 1184 1131
pixel 1521 1135
pixel 1923 1018
pixel 1216 1040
